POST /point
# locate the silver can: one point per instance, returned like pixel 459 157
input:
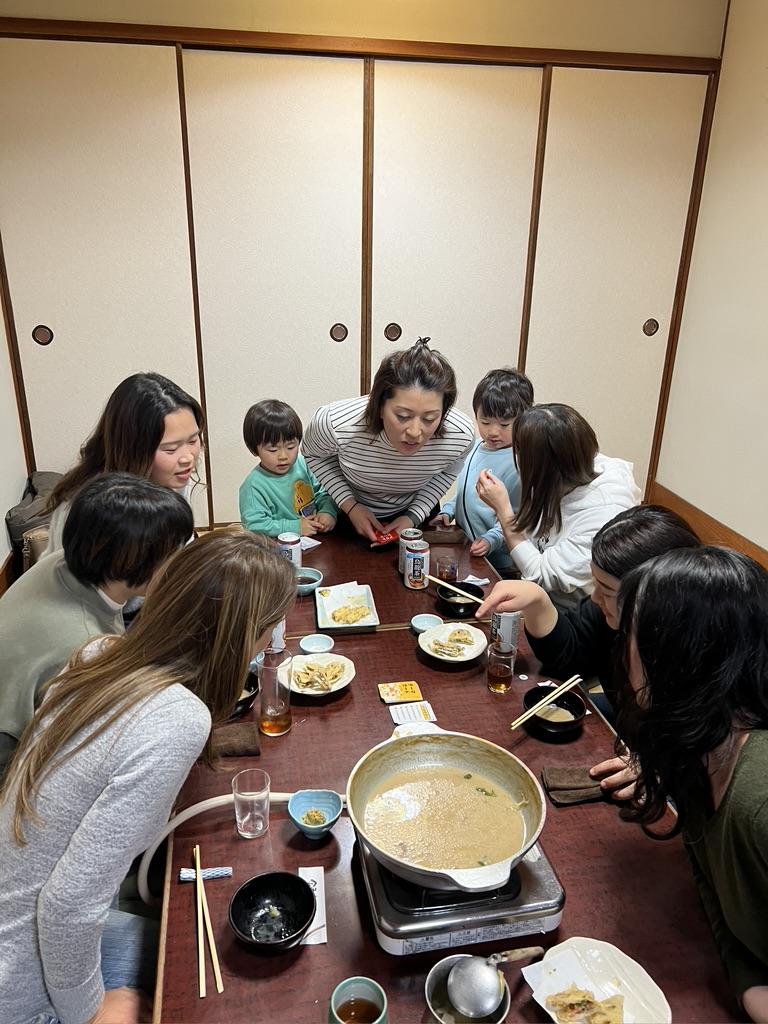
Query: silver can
pixel 290 546
pixel 505 626
pixel 416 565
pixel 405 537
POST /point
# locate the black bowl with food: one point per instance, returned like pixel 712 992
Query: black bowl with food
pixel 454 605
pixel 272 912
pixel 563 719
pixel 247 697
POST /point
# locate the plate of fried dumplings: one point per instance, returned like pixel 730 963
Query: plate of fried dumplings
pixel 453 642
pixel 318 675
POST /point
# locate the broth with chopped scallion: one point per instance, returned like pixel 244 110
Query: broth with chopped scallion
pixel 441 818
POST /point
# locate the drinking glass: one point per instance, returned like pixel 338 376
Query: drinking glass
pixel 501 666
pixel 275 713
pixel 251 792
pixel 448 568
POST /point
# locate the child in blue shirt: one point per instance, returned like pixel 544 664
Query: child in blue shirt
pixel 281 495
pixel 499 397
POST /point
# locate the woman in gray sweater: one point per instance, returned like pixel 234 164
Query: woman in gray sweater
pixel 97 771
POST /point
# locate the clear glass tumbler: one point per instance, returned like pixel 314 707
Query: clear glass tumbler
pixel 250 789
pixel 501 666
pixel 275 713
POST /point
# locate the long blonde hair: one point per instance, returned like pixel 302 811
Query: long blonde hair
pixel 204 611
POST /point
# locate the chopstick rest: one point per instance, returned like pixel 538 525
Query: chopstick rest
pixel 567 786
pixel 189 874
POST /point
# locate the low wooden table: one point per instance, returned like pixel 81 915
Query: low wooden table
pixel 620 886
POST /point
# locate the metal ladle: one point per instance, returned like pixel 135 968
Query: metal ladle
pixel 476 986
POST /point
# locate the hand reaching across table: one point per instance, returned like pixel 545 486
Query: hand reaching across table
pixel 364 521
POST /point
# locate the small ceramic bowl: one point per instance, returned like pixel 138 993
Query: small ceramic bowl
pixel 323 800
pixel 456 607
pixel 316 643
pixel 546 729
pixel 436 992
pixel 308 579
pixel 272 912
pixel 421 623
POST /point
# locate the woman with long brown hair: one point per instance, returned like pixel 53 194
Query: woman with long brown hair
pixel 150 427
pixel 569 489
pixel 97 770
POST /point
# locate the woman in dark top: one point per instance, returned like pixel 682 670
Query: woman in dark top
pixel 583 639
pixel 694 710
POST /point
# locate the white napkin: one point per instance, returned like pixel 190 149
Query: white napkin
pixel 317 930
pixel 307 543
pixel 476 580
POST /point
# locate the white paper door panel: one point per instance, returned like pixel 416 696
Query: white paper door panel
pixel 276 166
pixel 94 224
pixel 619 160
pixel 453 172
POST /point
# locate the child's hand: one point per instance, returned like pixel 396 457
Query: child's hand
pixel 479 547
pixel 440 521
pixel 324 522
pixel 308 526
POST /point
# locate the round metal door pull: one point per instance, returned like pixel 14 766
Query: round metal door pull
pixel 392 332
pixel 42 335
pixel 339 332
pixel 650 327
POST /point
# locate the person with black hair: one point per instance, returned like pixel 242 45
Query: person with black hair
pixel 387 458
pixel 568 490
pixel 119 530
pixel 584 639
pixel 694 710
pixel 280 495
pixel 498 399
pixel 150 427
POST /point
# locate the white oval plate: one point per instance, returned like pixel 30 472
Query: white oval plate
pixel 300 660
pixel 601 968
pixel 444 631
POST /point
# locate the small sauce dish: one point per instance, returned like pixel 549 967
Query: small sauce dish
pixel 325 801
pixel 316 643
pixel 307 579
pixel 421 623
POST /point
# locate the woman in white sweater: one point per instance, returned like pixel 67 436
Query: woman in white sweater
pixel 97 771
pixel 388 458
pixel 568 491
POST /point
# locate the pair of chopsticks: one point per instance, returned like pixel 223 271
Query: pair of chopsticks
pixel 550 698
pixel 456 590
pixel 203 915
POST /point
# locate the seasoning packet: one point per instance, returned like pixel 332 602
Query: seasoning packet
pixel 399 693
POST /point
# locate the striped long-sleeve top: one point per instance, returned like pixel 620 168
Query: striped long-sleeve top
pixel 352 462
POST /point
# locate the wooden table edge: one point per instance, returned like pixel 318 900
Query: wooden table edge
pixel 157 1006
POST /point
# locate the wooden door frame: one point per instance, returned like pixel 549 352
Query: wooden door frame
pixel 180 37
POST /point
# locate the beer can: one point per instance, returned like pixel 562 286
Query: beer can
pixel 290 546
pixel 416 565
pixel 405 536
pixel 505 626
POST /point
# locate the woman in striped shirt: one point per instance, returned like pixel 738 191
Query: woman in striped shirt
pixel 388 458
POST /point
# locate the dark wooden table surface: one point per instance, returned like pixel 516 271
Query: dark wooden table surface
pixel 620 886
pixel 342 559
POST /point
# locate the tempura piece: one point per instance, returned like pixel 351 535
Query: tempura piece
pixel 349 614
pixel 577 1006
pixel 460 636
pixel 318 677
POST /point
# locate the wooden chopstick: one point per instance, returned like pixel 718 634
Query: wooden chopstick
pixel 552 696
pixel 208 927
pixel 450 586
pixel 199 915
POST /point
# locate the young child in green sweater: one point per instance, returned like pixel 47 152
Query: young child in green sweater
pixel 281 495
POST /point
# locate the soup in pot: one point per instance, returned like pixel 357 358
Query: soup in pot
pixel 440 818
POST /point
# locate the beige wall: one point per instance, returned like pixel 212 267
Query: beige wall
pixel 715 446
pixel 692 27
pixel 13 469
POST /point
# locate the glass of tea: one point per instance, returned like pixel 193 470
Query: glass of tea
pixel 447 568
pixel 358 1001
pixel 501 666
pixel 275 712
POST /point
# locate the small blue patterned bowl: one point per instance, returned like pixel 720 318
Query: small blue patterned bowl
pixel 307 579
pixel 323 800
